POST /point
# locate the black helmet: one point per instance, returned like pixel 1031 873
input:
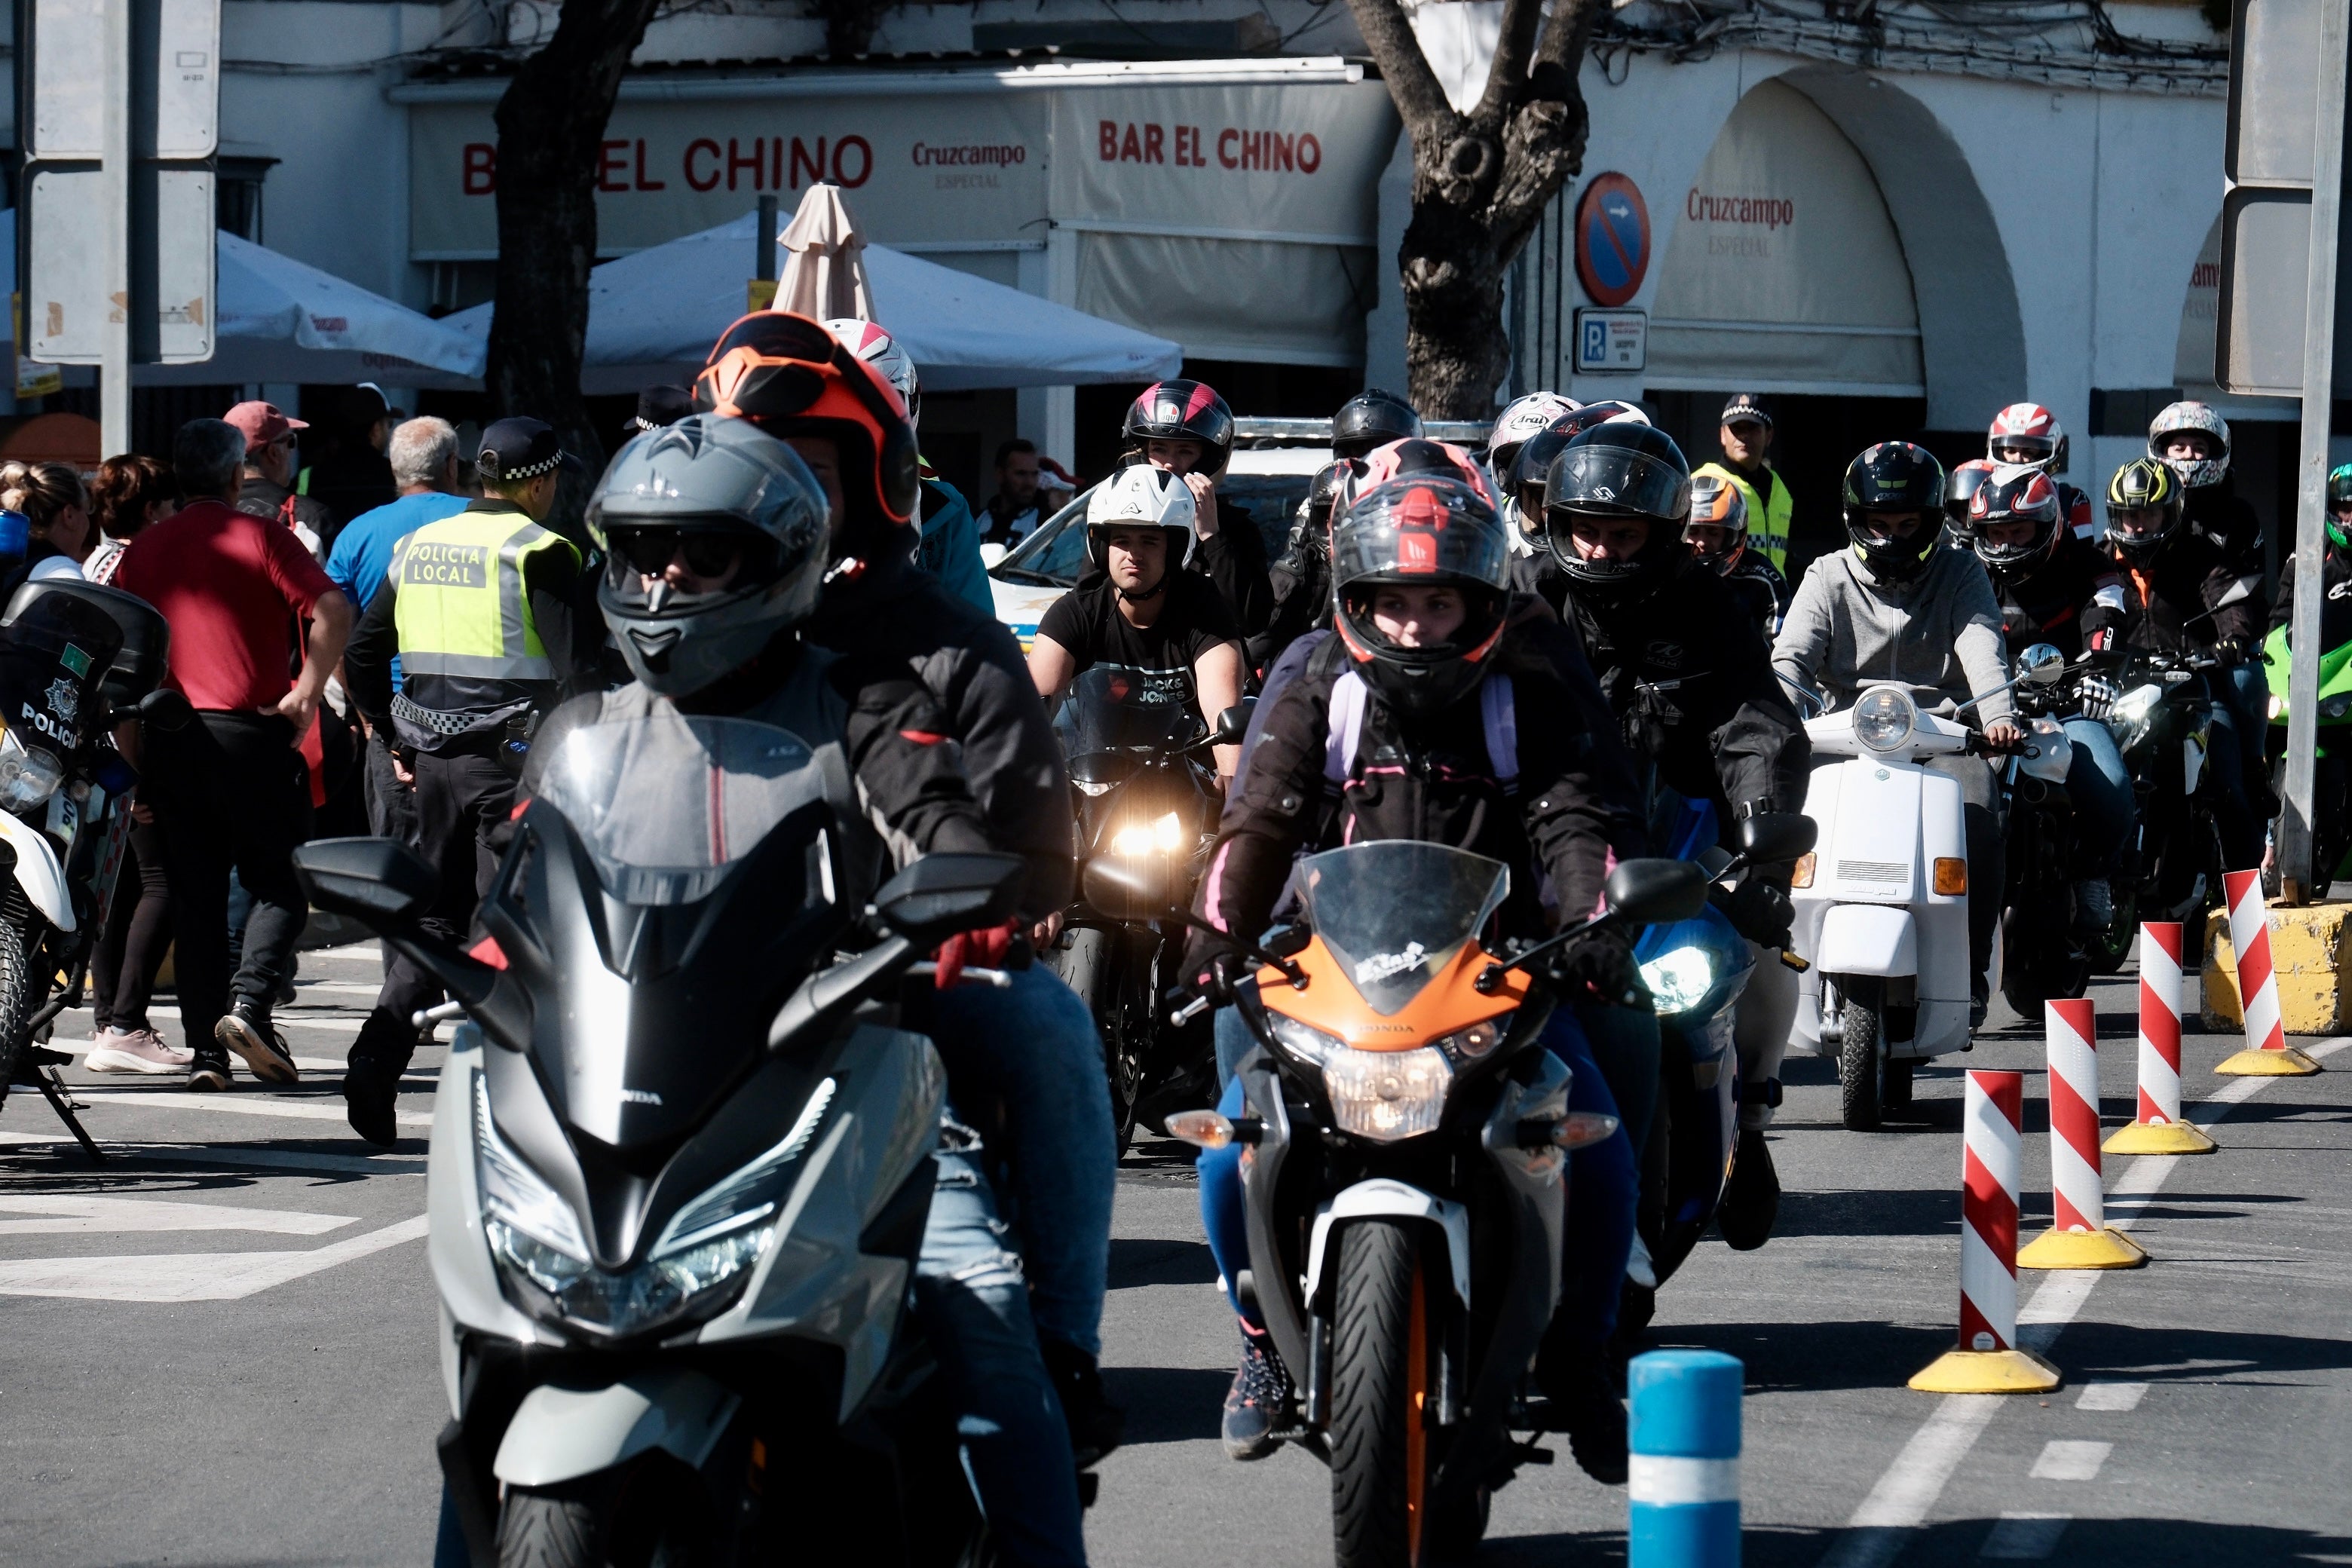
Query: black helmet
pixel 1895 476
pixel 737 502
pixel 1372 418
pixel 2016 493
pixel 1328 487
pixel 1617 470
pixel 2144 485
pixel 1525 482
pixel 1183 411
pixel 1421 530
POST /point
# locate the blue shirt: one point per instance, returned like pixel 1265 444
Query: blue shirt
pixel 362 553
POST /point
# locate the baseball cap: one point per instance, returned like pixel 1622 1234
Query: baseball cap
pixel 1746 406
pixel 521 448
pixel 261 423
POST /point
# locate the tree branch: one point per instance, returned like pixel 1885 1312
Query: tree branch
pixel 1420 99
pixel 1507 75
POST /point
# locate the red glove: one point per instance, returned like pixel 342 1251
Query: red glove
pixel 987 948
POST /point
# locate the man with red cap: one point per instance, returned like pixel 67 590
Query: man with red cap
pixel 267 491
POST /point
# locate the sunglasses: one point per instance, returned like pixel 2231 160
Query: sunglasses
pixel 706 551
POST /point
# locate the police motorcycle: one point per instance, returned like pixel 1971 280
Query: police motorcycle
pixel 681 1161
pixel 1405 1170
pixel 75 659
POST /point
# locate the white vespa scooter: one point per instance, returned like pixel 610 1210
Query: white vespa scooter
pixel 1882 904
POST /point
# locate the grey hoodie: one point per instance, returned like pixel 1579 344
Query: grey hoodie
pixel 1938 634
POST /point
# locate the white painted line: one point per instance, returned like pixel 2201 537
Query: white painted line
pixel 2024 1537
pixel 81 1216
pixel 190 1275
pixel 2118 1397
pixel 2071 1459
pixel 340 987
pixel 238 1105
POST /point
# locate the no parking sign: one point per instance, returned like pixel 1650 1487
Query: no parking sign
pixel 1613 240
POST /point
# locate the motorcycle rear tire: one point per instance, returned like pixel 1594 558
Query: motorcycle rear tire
pixel 1385 1451
pixel 2107 950
pixel 1860 1069
pixel 1086 965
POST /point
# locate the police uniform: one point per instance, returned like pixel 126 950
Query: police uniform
pixel 1770 506
pixel 478 606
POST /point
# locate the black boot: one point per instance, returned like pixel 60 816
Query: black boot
pixel 1751 1198
pixel 1584 1404
pixel 1096 1424
pixel 371 1077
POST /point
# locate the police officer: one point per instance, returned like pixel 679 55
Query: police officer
pixel 1747 435
pixel 479 607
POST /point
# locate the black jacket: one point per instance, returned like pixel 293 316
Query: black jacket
pixel 2073 601
pixel 1760 589
pixel 258 497
pixel 2192 599
pixel 1300 584
pixel 2224 518
pixel 2335 604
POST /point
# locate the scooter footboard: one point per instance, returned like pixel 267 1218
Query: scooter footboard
pixel 562 1433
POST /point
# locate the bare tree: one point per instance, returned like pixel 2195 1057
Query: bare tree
pixel 1480 182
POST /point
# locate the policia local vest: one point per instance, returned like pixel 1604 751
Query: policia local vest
pixel 470 654
pixel 1767 526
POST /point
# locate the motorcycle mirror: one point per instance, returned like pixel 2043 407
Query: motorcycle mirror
pixel 1656 892
pixel 2041 665
pixel 1234 722
pixel 165 709
pixel 1777 835
pixel 379 882
pixel 941 895
pixel 1137 889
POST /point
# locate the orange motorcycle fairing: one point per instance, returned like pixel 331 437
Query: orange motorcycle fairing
pixel 1450 1002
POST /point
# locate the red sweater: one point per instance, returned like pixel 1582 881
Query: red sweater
pixel 235 590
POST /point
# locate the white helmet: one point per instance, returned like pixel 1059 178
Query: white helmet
pixel 2181 418
pixel 1513 426
pixel 1142 496
pixel 880 350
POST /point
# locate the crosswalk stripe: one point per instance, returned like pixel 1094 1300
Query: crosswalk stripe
pixel 297 1110
pixel 191 1276
pixel 84 1214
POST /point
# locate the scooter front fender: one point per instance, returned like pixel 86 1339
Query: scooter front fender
pixel 38 871
pixel 562 1433
pixel 1868 938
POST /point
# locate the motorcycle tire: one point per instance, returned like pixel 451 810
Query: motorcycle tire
pixel 2107 950
pixel 20 992
pixel 1384 1455
pixel 597 1521
pixel 1086 966
pixel 1860 1069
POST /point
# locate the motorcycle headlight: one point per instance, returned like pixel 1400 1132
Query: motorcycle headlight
pixel 1678 979
pixel 1138 839
pixel 1386 1095
pixel 2335 707
pixel 2132 715
pixel 1309 1044
pixel 28 774
pixel 1883 718
pixel 1467 1046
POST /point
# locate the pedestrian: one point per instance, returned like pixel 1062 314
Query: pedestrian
pixel 1018 506
pixel 1746 438
pixel 659 406
pixel 424 457
pixel 56 514
pixel 479 607
pixel 268 489
pixel 130 494
pixel 245 603
pixel 352 476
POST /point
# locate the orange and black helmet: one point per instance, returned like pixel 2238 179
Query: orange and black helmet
pixel 790 376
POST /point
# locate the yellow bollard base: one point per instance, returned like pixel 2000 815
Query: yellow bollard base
pixel 2108 1248
pixel 1988 1372
pixel 2288 1063
pixel 2159 1138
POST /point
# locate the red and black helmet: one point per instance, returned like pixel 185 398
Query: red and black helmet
pixel 1183 411
pixel 1420 530
pixel 2016 492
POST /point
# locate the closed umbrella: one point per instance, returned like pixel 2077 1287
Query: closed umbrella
pixel 825 265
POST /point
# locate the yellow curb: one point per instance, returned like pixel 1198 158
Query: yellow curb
pixel 2288 1063
pixel 1988 1372
pixel 2311 959
pixel 2159 1138
pixel 2108 1248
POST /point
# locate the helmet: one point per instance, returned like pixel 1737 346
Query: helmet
pixel 2143 485
pixel 1418 454
pixel 1526 480
pixel 1893 476
pixel 1372 419
pixel 1182 411
pixel 1716 503
pixel 2016 492
pixel 880 350
pixel 1959 489
pixel 725 494
pixel 2339 494
pixel 1141 496
pixel 2187 416
pixel 1328 488
pixel 1516 425
pixel 1423 530
pixel 1617 470
pixel 1612 412
pixel 789 376
pixel 2033 427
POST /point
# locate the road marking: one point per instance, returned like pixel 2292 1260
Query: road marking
pixel 79 1216
pixel 1905 1495
pixel 191 1276
pixel 2118 1397
pixel 2024 1537
pixel 2071 1459
pixel 299 1110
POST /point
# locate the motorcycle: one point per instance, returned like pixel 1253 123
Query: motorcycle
pixel 2042 952
pixel 1134 750
pixel 2157 705
pixel 2331 795
pixel 1404 1174
pixel 681 1159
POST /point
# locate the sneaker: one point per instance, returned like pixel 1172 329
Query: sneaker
pixel 1259 1402
pixel 1751 1198
pixel 246 1030
pixel 2095 904
pixel 208 1072
pixel 1096 1424
pixel 371 1103
pixel 135 1050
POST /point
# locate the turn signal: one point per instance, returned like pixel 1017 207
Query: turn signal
pixel 1578 1127
pixel 1202 1129
pixel 1951 875
pixel 1805 873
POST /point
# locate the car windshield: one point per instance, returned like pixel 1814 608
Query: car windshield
pixel 668 802
pixel 1394 913
pixel 1114 709
pixel 1055 551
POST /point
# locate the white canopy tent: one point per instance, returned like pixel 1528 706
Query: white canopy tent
pixel 281 321
pixel 653 316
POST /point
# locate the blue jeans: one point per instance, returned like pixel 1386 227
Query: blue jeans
pixel 2100 786
pixel 1034 1047
pixel 2242 831
pixel 974 1303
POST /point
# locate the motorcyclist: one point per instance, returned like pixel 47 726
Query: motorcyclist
pixel 1960 488
pixel 2193 440
pixel 1518 424
pixel 715 544
pixel 2027 435
pixel 1185 427
pixel 2182 596
pixel 1717 536
pixel 2057 588
pixel 1533 569
pixel 947 543
pixel 1419 568
pixel 1685 673
pixel 2329 798
pixel 1896 610
pixel 1372 418
pixel 1302 578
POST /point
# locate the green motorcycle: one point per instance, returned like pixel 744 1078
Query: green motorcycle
pixel 2331 795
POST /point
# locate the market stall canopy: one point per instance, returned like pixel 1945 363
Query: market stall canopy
pixel 653 317
pixel 281 321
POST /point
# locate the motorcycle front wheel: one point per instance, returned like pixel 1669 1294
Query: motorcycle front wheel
pixel 613 1520
pixel 1384 1452
pixel 1861 1066
pixel 20 993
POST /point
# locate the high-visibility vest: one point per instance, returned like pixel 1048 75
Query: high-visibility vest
pixel 1768 526
pixel 467 641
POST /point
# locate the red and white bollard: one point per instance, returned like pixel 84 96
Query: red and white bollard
pixel 2267 1054
pixel 2159 1128
pixel 2079 1236
pixel 1988 1360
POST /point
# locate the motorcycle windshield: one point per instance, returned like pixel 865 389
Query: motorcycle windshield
pixel 666 804
pixel 1114 711
pixel 1395 912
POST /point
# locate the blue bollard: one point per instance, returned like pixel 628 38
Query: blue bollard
pixel 1685 1477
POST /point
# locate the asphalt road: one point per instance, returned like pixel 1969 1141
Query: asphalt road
pixel 220 1350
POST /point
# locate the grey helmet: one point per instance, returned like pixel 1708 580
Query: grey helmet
pixel 738 505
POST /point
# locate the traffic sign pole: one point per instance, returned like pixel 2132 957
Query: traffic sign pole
pixel 114 361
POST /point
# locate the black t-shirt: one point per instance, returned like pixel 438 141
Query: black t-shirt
pixel 1195 619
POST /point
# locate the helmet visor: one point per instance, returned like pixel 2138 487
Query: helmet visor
pixel 1615 480
pixel 1422 530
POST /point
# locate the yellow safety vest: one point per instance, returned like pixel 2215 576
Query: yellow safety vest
pixel 1768 526
pixel 463 614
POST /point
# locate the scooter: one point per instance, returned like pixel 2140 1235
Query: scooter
pixel 681 1161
